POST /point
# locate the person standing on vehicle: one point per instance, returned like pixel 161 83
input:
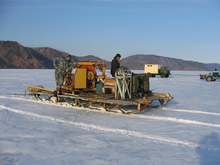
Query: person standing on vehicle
pixel 62 67
pixel 115 64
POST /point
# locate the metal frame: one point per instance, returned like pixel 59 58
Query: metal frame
pixel 123 85
pixel 104 100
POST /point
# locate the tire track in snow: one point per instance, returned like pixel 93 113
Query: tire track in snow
pixel 42 102
pixel 171 119
pixel 91 127
pixel 192 111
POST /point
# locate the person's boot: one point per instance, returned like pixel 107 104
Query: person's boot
pixel 55 93
pixel 60 92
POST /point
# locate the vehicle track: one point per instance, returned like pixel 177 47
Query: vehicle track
pixel 150 117
pixel 91 127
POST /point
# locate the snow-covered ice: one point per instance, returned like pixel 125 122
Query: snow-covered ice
pixel 185 131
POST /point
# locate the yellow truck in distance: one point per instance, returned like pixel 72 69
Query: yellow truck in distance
pixel 157 69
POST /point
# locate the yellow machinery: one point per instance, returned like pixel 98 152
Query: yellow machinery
pixel 125 89
pixel 84 77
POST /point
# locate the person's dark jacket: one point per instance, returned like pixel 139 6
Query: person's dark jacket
pixel 115 65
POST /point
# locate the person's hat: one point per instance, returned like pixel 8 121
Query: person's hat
pixel 117 55
pixel 68 55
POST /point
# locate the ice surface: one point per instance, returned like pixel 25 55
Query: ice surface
pixel 185 131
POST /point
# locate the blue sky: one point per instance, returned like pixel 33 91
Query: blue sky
pixel 184 29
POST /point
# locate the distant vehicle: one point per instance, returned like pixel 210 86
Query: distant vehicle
pixel 157 69
pixel 213 76
pixel 202 76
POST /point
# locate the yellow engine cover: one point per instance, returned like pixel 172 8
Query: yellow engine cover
pixel 80 78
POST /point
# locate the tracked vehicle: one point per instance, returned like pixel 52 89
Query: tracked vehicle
pixel 87 86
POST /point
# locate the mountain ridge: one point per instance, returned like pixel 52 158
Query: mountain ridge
pixel 16 56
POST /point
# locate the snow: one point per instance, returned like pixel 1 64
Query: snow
pixel 185 131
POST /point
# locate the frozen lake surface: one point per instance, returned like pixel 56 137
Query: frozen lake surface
pixel 185 131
